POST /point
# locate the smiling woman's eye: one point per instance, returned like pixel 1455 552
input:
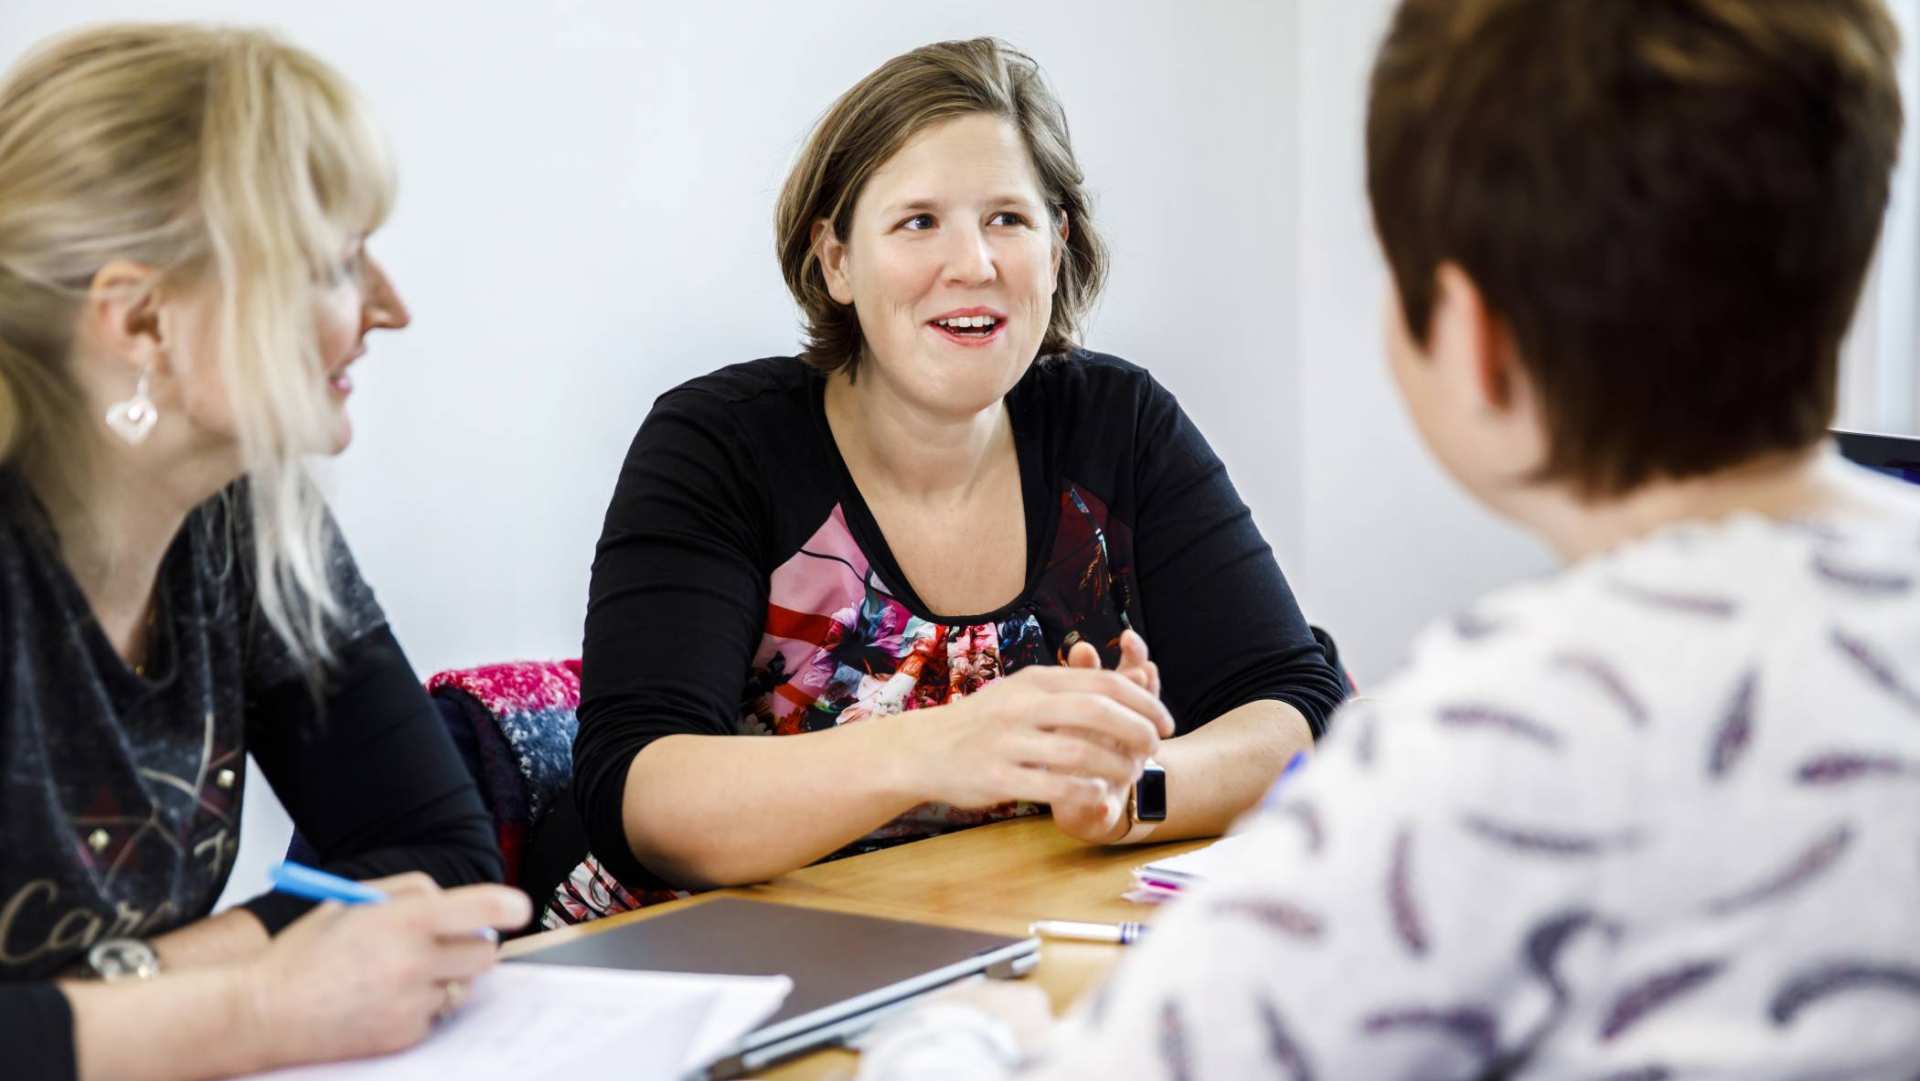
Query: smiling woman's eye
pixel 1008 217
pixel 918 223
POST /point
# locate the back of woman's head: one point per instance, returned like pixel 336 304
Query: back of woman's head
pixel 232 164
pixel 1671 204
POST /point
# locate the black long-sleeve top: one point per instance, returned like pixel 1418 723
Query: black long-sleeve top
pixel 741 586
pixel 120 792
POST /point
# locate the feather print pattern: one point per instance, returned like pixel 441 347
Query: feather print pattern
pixel 1635 832
pixel 1676 601
pixel 1484 717
pixel 1639 1073
pixel 1735 733
pixel 1878 669
pixel 1840 977
pixel 1549 842
pixel 1878 583
pixel 1649 996
pixel 1843 766
pixel 1176 1052
pixel 1306 815
pixel 1806 867
pixel 1474 1028
pixel 1610 681
pixel 1281 1046
pixel 1400 900
pixel 1273 914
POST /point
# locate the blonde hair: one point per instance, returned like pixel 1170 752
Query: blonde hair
pixel 221 157
pixel 871 122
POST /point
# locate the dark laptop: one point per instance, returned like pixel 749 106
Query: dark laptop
pixel 1894 455
pixel 847 971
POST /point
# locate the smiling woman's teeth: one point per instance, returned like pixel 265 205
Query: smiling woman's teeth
pixel 969 322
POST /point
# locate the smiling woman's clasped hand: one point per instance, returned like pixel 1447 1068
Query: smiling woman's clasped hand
pixel 1103 818
pixel 1074 737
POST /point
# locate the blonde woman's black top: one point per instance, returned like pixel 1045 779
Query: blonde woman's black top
pixel 120 792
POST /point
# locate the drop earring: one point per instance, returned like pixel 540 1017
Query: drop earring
pixel 133 419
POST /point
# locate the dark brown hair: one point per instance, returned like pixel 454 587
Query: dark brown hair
pixel 1670 204
pixel 872 121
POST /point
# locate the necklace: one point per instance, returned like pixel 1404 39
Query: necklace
pixel 146 641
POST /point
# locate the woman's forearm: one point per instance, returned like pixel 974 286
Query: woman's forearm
pixel 178 1027
pixel 727 810
pixel 233 935
pixel 1223 767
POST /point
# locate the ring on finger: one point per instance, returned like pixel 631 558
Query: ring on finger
pixel 456 993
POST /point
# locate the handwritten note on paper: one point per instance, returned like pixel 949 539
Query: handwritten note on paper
pixel 560 1021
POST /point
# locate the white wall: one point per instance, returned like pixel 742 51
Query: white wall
pixel 1388 541
pixel 585 220
pixel 1878 389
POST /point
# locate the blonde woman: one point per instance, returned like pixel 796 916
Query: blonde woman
pixel 184 285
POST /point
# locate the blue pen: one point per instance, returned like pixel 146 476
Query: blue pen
pixel 1299 759
pixel 315 885
pixel 1273 793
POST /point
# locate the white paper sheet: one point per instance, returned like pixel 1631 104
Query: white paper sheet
pixel 559 1021
pixel 1202 863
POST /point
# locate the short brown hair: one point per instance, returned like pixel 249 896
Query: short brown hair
pixel 1671 204
pixel 872 121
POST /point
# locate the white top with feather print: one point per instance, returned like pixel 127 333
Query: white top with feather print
pixel 1657 816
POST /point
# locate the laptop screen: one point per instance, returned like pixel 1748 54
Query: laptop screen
pixel 1894 455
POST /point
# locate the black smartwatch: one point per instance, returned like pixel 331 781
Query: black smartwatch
pixel 1148 800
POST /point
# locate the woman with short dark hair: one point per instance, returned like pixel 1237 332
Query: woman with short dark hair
pixel 1657 816
pixel 939 522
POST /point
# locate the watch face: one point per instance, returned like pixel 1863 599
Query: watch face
pixel 1150 795
pixel 123 959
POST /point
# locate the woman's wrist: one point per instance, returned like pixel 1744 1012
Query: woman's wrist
pixel 908 758
pixel 230 937
pixel 263 1039
pixel 208 1022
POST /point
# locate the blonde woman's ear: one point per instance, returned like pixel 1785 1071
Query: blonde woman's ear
pixel 122 314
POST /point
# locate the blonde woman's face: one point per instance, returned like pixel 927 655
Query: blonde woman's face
pixel 360 298
pixel 355 297
pixel 951 265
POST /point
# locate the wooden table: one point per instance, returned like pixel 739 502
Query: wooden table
pixel 996 878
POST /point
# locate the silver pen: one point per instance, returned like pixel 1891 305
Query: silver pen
pixel 1122 933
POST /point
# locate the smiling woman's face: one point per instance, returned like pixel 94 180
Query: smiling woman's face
pixel 950 266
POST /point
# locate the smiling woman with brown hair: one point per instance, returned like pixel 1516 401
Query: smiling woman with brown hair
pixel 909 551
